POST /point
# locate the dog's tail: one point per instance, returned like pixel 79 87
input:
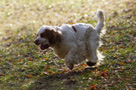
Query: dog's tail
pixel 100 23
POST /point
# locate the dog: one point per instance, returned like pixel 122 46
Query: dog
pixel 73 43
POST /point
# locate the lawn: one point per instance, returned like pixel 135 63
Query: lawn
pixel 23 66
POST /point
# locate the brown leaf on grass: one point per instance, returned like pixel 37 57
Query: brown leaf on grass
pixel 20 60
pixel 52 73
pixel 113 47
pixel 64 69
pixel 29 75
pixel 92 87
pixel 47 67
pixel 15 74
pixel 1 74
pixel 84 65
pixel 5 88
pixel 103 74
pixel 43 73
pixel 46 59
pixel 121 63
pixel 30 59
pixel 49 73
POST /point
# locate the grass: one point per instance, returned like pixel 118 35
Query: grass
pixel 23 66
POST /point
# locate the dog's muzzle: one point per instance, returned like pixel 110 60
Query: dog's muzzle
pixel 42 46
pixel 36 42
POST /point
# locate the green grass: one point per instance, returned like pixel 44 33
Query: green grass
pixel 23 66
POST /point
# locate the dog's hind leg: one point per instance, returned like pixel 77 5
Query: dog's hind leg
pixel 90 48
pixel 69 65
pixel 92 56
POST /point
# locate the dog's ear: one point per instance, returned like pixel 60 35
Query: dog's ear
pixel 46 33
pixel 54 36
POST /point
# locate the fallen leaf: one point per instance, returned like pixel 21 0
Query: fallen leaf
pixel 121 63
pixel 53 73
pixel 92 87
pixel 84 65
pixel 20 60
pixel 46 67
pixel 47 59
pixel 29 75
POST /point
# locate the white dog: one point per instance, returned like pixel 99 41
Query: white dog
pixel 74 43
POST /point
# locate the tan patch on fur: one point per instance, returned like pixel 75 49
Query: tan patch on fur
pixel 54 36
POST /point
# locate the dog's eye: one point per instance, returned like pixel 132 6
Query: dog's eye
pixel 42 35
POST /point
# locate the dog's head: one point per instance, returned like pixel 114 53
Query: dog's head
pixel 46 37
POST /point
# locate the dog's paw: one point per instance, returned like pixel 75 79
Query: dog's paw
pixel 90 63
pixel 71 66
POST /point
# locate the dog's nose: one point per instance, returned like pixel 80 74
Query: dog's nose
pixel 37 42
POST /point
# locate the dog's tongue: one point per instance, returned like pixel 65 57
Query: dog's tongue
pixel 44 46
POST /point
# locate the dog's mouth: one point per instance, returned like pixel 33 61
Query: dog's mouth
pixel 43 47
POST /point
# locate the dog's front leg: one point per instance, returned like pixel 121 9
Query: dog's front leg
pixel 70 58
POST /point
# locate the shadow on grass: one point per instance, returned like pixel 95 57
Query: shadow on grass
pixel 65 81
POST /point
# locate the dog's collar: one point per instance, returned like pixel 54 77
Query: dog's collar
pixel 73 27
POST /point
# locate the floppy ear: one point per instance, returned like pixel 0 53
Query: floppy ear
pixel 45 34
pixel 54 36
